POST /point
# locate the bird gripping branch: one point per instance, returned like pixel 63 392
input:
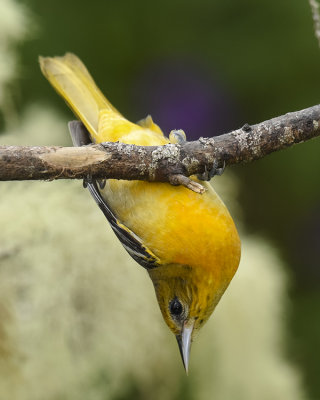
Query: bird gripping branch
pixel 186 241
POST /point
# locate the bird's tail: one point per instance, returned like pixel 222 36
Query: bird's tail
pixel 71 79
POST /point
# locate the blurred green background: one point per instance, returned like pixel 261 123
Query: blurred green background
pixel 208 67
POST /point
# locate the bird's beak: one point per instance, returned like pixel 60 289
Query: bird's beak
pixel 184 342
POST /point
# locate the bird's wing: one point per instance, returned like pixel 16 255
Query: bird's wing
pixel 130 241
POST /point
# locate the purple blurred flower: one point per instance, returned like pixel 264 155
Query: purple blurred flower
pixel 183 94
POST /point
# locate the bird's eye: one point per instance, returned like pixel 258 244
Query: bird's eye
pixel 175 307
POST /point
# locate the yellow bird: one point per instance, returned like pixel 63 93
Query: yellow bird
pixel 187 242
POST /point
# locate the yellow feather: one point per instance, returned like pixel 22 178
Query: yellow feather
pixel 73 82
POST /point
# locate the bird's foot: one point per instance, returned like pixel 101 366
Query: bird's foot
pixel 215 170
pixel 87 180
pixel 177 136
pixel 179 179
pixel 102 183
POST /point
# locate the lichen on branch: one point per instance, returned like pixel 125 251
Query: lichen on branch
pixel 173 163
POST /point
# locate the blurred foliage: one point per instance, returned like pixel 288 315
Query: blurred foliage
pixel 259 58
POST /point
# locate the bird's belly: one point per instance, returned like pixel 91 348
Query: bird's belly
pixel 175 223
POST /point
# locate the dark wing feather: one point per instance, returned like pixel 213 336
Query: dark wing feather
pixel 130 241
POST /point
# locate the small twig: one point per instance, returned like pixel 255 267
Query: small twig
pixel 316 18
pixel 170 163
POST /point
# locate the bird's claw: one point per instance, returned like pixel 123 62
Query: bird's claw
pixel 87 180
pixel 177 136
pixel 215 170
pixel 102 183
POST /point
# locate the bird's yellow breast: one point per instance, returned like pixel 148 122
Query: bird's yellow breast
pixel 178 225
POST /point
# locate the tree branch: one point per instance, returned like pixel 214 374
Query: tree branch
pixel 170 163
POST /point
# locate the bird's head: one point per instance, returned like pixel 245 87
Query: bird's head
pixel 187 298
